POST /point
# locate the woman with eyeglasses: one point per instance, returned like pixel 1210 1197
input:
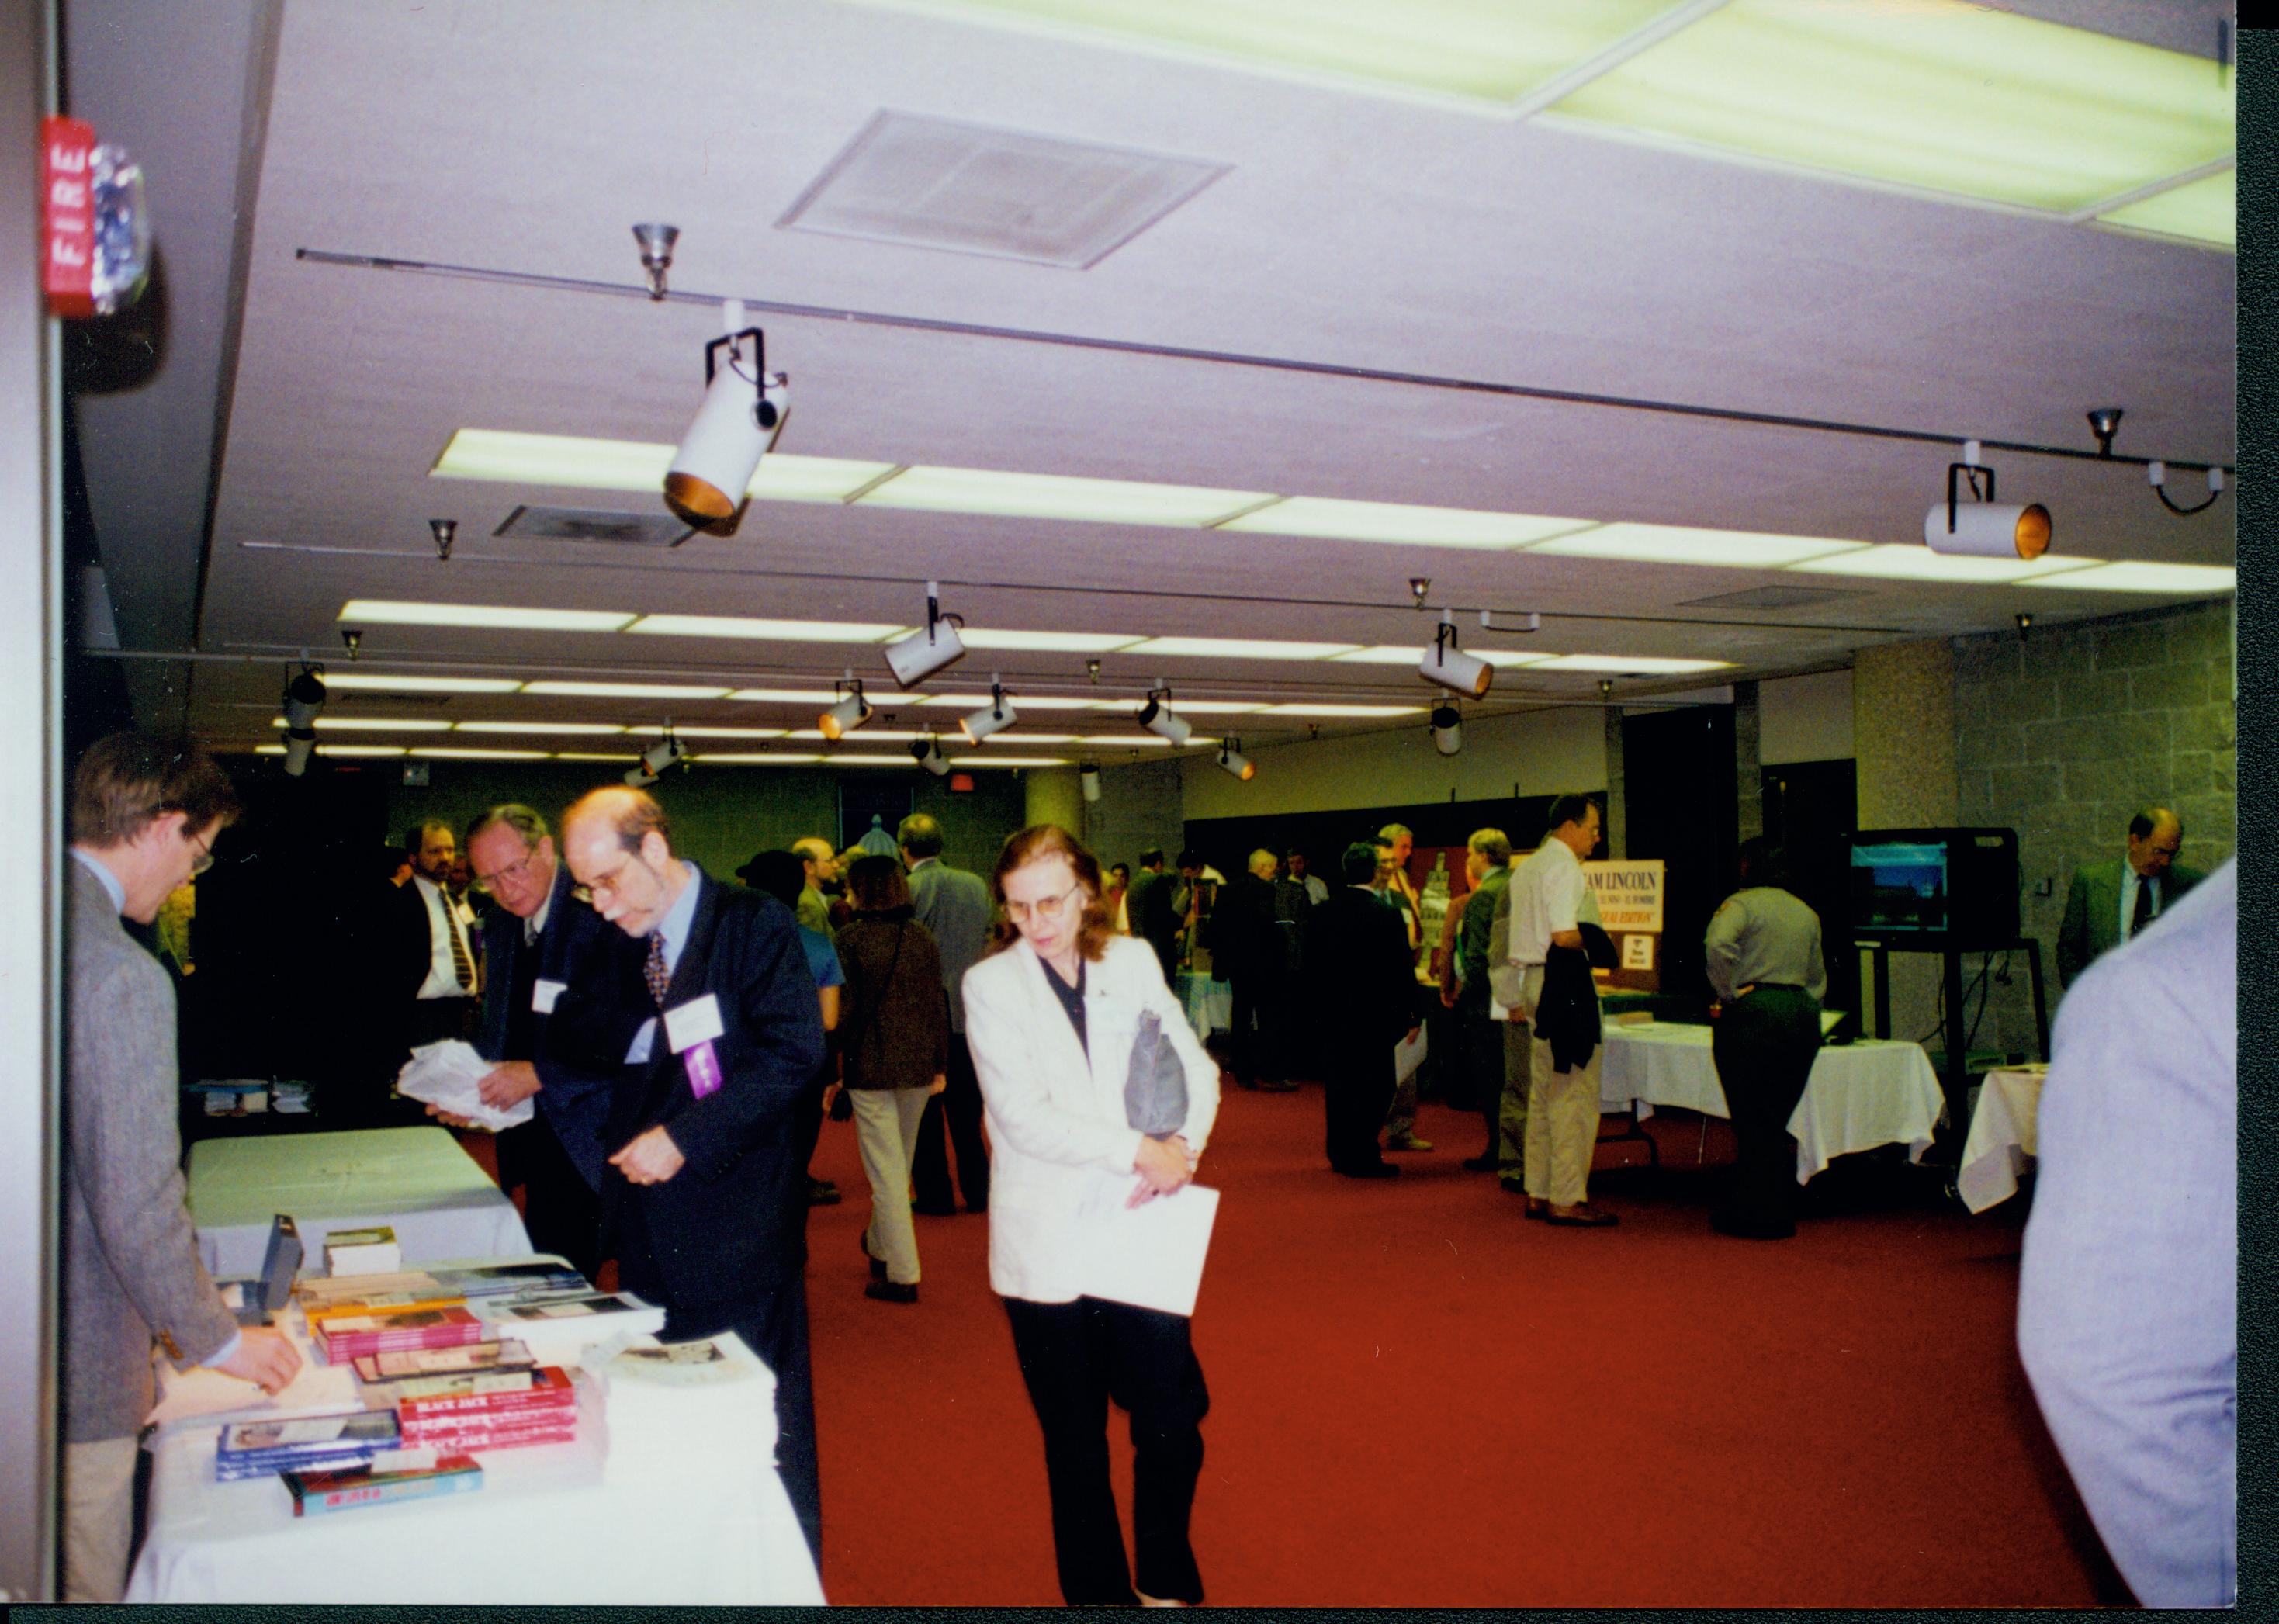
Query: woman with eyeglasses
pixel 1075 1036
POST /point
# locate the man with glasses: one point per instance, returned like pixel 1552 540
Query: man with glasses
pixel 705 1192
pixel 144 813
pixel 538 945
pixel 2108 902
pixel 954 907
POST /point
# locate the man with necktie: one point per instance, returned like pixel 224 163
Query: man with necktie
pixel 436 934
pixel 2109 902
pixel 705 1195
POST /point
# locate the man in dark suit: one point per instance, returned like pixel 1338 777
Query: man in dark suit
pixel 538 941
pixel 433 959
pixel 2108 902
pixel 1154 912
pixel 705 1198
pixel 954 907
pixel 1253 939
pixel 1365 997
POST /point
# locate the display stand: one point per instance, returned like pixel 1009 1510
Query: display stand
pixel 1954 1075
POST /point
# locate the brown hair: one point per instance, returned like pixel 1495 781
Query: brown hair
pixel 875 884
pixel 632 814
pixel 1034 843
pixel 127 781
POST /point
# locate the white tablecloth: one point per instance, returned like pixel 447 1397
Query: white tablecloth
pixel 679 1505
pixel 1209 1004
pixel 416 1180
pixel 1859 1095
pixel 2002 1137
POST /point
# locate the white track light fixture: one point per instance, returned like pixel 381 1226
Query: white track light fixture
pixel 656 761
pixel 1449 666
pixel 1158 718
pixel 849 713
pixel 1447 729
pixel 745 406
pixel 994 717
pixel 923 652
pixel 1232 760
pixel 927 752
pixel 1982 527
pixel 1087 775
pixel 304 698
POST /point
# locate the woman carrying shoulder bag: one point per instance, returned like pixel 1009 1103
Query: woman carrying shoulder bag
pixel 1096 1093
pixel 894 1038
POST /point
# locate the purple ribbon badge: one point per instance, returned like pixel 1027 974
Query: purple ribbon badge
pixel 703 1068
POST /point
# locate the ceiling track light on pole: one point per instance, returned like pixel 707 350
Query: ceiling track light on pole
pixel 744 410
pixel 1087 775
pixel 305 701
pixel 1984 527
pixel 933 647
pixel 1233 761
pixel 995 717
pixel 927 752
pixel 1453 669
pixel 1157 716
pixel 1448 727
pixel 850 711
pixel 656 761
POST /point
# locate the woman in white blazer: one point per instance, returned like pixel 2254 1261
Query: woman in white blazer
pixel 1051 1017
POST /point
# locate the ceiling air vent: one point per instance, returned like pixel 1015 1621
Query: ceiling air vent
pixel 1772 597
pixel 942 184
pixel 593 525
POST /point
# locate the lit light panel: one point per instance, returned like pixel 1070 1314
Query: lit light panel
pixel 1680 544
pixel 1937 94
pixel 453 752
pixel 893 734
pixel 629 465
pixel 788 696
pixel 375 724
pixel 1017 736
pixel 1900 561
pixel 1410 653
pixel 710 732
pixel 1007 761
pixel 494 617
pixel 1239 648
pixel 1310 710
pixel 336 750
pixel 767 631
pixel 593 755
pixel 626 690
pixel 1024 701
pixel 540 727
pixel 1635 664
pixel 2167 577
pixel 1048 642
pixel 2205 211
pixel 1398 523
pixel 385 683
pixel 755 758
pixel 1058 497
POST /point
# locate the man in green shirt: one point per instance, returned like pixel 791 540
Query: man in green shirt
pixel 821 864
pixel 1487 860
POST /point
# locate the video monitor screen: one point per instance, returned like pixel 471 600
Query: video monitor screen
pixel 1899 886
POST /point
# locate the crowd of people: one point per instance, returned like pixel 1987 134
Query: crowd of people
pixel 682 1040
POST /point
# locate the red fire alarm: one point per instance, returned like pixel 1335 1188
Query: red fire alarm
pixel 961 784
pixel 96 255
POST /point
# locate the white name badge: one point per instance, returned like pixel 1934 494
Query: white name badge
pixel 696 1022
pixel 542 994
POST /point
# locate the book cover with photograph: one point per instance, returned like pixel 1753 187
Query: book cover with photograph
pixel 315 1493
pixel 473 1358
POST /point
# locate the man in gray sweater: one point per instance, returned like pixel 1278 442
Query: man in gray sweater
pixel 144 813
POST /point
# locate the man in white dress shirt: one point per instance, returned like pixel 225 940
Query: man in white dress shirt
pixel 438 934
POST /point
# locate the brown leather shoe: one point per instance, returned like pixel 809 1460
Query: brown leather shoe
pixel 1582 1216
pixel 1537 1208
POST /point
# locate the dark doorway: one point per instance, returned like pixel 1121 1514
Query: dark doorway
pixel 863 796
pixel 1811 807
pixel 1678 805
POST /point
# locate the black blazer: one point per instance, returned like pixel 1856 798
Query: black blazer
pixel 1360 974
pixel 576 1061
pixel 730 1224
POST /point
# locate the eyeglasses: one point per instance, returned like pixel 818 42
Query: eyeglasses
pixel 516 871
pixel 1045 907
pixel 613 882
pixel 204 859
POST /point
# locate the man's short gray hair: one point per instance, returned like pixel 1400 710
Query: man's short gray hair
pixel 1492 844
pixel 525 821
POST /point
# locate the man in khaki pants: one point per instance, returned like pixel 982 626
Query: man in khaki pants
pixel 144 813
pixel 1549 900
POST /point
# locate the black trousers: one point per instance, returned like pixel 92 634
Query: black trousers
pixel 1763 1045
pixel 772 1325
pixel 1479 1039
pixel 959 1107
pixel 561 1212
pixel 1075 1358
pixel 1357 1084
pixel 1260 1018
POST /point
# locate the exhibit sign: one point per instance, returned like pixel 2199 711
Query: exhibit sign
pixel 1629 895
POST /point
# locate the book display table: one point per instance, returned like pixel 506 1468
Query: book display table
pixel 1860 1095
pixel 2003 1137
pixel 1209 1004
pixel 415 1179
pixel 668 1498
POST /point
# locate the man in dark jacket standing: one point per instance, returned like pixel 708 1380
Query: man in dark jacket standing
pixel 1252 948
pixel 954 907
pixel 1155 911
pixel 1365 997
pixel 706 1196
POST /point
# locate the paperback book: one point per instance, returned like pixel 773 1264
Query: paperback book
pixel 260 1449
pixel 316 1493
pixel 431 1399
pixel 351 1337
pixel 468 1358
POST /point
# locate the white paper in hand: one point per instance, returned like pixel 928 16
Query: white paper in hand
pixel 1151 1255
pixel 446 1075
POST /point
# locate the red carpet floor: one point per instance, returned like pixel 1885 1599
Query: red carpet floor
pixel 1419 1399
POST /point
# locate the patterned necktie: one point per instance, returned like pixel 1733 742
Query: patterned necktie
pixel 461 965
pixel 659 976
pixel 2143 913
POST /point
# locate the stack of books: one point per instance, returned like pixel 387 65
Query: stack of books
pixel 362 1252
pixel 377 1373
pixel 560 1326
pixel 342 1337
pixel 315 1492
pixel 440 1287
pixel 459 1415
pixel 264 1449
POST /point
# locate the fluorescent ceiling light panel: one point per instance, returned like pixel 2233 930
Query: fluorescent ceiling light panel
pixel 1904 561
pixel 1007 761
pixel 1340 710
pixel 1408 653
pixel 1402 524
pixel 712 733
pixel 2205 211
pixel 382 681
pixel 895 735
pixel 589 755
pixel 2169 578
pixel 629 465
pixel 767 631
pixel 1022 701
pixel 1485 53
pixel 789 758
pixel 626 690
pixel 540 727
pixel 376 725
pixel 852 759
pixel 1680 544
pixel 1181 705
pixel 1140 741
pixel 1058 497
pixel 787 696
pixel 337 749
pixel 1017 737
pixel 1237 649
pixel 1639 664
pixel 390 612
pixel 481 755
pixel 1050 642
pixel 1937 94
